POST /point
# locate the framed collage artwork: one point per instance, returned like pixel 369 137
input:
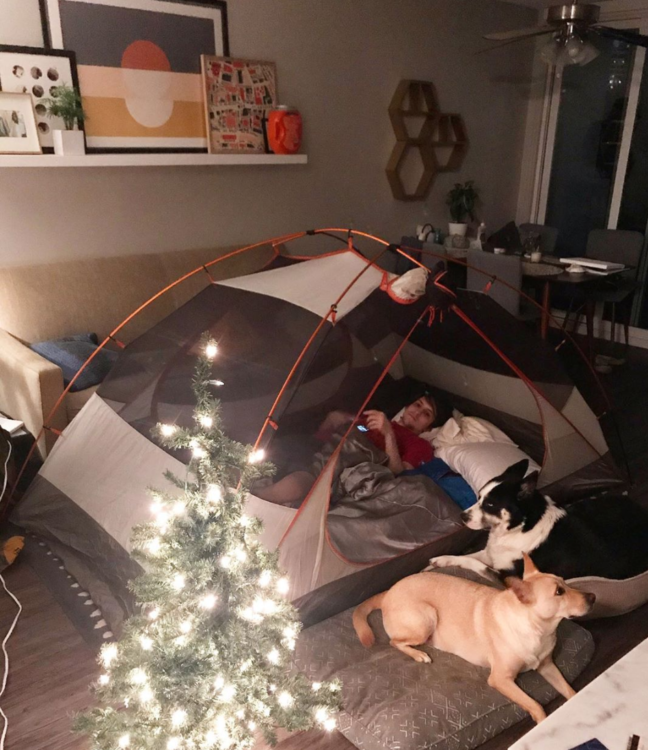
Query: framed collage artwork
pixel 35 71
pixel 238 96
pixel 139 68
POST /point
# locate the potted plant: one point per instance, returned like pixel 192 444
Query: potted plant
pixel 65 103
pixel 461 201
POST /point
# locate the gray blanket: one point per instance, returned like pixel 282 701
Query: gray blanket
pixel 376 515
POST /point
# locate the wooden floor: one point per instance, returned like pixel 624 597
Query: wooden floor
pixel 51 666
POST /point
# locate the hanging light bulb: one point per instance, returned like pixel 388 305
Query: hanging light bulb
pixel 153 545
pixel 168 430
pixel 178 582
pixel 211 350
pixel 256 456
pixel 214 494
pixel 104 679
pixel 146 643
pixel 109 654
pixel 219 682
pixel 186 626
pixel 146 695
pixel 178 508
pixel 316 686
pixel 225 562
pixel 154 614
pixel 330 724
pixel 208 601
pixel 178 717
pixel 283 585
pixel 227 693
pixel 124 740
pixel 217 383
pixel 240 554
pixel 206 421
pixel 138 676
pixel 274 656
pixel 265 578
pixel 285 700
pixel 173 743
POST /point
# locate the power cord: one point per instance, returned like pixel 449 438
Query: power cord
pixel 13 624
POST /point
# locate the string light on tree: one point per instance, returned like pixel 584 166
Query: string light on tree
pixel 207 662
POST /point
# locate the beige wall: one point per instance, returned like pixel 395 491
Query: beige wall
pixel 339 62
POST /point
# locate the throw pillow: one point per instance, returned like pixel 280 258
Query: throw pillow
pixel 71 352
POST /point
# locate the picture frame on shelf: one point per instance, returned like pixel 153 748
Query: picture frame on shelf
pixel 18 131
pixel 36 71
pixel 139 68
pixel 238 95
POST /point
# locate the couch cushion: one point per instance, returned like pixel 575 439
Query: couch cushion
pixel 49 301
pixel 391 701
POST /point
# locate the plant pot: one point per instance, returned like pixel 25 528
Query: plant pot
pixel 69 142
pixel 457 229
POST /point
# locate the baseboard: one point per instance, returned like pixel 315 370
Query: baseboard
pixel 602 328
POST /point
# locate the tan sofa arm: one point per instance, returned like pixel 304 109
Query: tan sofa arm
pixel 29 388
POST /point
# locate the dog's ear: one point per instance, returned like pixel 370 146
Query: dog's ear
pixel 514 473
pixel 529 485
pixel 529 566
pixel 520 588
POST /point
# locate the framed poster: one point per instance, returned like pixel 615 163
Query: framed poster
pixel 18 131
pixel 238 96
pixel 139 68
pixel 35 71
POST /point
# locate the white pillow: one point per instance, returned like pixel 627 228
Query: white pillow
pixel 459 430
pixel 479 463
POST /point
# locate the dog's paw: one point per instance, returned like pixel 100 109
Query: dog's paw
pixel 444 561
pixel 422 657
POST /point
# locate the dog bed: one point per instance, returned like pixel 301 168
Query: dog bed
pixel 613 598
pixel 391 701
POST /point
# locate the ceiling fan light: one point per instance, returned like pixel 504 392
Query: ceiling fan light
pixel 574 48
pixel 550 52
pixel 588 53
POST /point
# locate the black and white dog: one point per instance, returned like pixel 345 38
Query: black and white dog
pixel 604 536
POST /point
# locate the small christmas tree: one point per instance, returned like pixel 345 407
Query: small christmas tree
pixel 206 662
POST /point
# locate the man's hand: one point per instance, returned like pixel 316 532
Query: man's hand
pixel 377 420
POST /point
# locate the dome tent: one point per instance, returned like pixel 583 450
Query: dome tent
pixel 303 337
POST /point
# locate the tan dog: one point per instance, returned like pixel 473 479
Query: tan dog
pixel 510 631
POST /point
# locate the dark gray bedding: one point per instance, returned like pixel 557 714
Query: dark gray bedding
pixel 376 515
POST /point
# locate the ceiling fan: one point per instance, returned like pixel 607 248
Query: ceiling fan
pixel 573 27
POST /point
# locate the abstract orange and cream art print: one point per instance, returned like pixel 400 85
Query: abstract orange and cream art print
pixel 139 68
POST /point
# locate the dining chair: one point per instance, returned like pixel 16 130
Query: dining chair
pixel 548 236
pixel 618 290
pixel 620 246
pixel 505 267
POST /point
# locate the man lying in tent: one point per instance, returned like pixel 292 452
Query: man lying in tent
pixel 399 439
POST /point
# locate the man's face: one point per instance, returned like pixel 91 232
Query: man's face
pixel 419 416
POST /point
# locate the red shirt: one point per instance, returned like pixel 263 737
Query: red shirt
pixel 412 448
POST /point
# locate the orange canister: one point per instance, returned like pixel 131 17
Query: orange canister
pixel 284 130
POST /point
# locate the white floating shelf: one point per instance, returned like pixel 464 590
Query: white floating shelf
pixel 150 160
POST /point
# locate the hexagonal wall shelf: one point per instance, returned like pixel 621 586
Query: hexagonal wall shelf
pixel 401 151
pixel 416 101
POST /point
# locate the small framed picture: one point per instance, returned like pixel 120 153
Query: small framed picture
pixel 238 96
pixel 31 70
pixel 18 131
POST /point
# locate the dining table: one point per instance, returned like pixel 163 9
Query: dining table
pixel 548 274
